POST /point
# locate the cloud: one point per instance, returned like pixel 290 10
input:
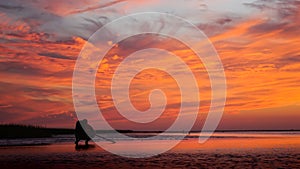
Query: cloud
pixel 98 6
pixel 11 117
pixel 26 13
pixel 279 9
pixel 272 118
pixel 12 67
pixel 56 55
pixel 40 41
pixel 64 119
pixel 58 28
pixel 266 27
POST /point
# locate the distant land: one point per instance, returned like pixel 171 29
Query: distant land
pixel 29 131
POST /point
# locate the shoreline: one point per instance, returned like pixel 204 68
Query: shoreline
pixel 69 138
pixel 228 153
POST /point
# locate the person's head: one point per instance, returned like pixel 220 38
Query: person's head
pixel 84 121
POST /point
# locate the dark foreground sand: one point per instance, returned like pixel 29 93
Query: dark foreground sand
pixel 228 153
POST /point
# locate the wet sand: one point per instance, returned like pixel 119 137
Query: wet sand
pixel 279 152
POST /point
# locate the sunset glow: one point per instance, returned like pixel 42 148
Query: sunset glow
pixel 257 42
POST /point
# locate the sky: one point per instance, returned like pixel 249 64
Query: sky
pixel 257 42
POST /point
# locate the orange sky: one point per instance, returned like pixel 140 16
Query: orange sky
pixel 257 41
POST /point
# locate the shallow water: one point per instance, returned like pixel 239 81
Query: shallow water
pixel 149 136
pixel 225 152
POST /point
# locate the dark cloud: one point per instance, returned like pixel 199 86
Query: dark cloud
pixel 104 5
pixel 56 55
pixel 223 21
pixel 290 58
pixel 40 20
pixel 266 27
pixel 14 113
pixel 9 117
pixel 219 25
pixel 10 7
pixel 283 15
pixel 64 119
pixel 39 92
pixel 281 8
pixel 31 15
pixel 21 68
pixel 260 4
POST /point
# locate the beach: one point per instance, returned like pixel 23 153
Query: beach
pixel 238 150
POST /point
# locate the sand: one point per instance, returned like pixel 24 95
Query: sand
pixel 216 153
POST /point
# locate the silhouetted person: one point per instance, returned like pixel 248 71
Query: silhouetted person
pixel 84 131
